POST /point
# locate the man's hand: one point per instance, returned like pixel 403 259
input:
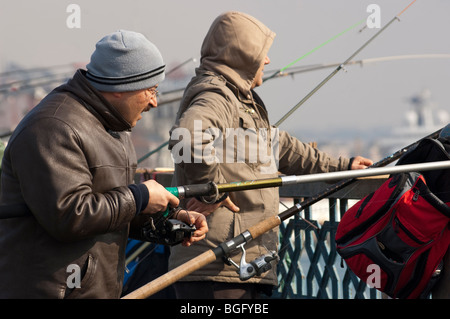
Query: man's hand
pixel 159 198
pixel 207 209
pixel 196 219
pixel 360 162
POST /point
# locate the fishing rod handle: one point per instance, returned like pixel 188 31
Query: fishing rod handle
pixel 200 261
pixel 188 191
pixel 264 226
pixel 172 276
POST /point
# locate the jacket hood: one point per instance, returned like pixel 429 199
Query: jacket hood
pixel 235 47
pixel 106 113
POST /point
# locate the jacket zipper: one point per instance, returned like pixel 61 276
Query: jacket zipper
pixel 416 195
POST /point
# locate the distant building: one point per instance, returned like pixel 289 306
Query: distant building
pixel 421 120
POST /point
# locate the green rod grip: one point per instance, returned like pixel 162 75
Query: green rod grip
pixel 173 191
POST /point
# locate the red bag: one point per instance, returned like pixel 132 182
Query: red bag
pixel 396 237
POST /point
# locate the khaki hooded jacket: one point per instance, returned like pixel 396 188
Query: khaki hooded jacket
pixel 222 134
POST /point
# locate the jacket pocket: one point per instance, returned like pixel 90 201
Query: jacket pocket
pixel 87 271
pixel 245 139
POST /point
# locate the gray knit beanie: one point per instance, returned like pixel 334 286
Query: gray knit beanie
pixel 125 61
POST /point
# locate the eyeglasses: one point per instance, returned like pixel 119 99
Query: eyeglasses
pixel 154 92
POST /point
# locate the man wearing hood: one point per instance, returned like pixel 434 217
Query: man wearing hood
pixel 67 195
pixel 220 108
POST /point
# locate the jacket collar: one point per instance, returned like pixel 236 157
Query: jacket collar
pixel 94 101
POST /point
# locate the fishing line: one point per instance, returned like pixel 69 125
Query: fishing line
pixel 340 67
pixel 362 62
pixel 315 49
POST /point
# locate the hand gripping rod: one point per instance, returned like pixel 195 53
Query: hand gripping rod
pixel 253 232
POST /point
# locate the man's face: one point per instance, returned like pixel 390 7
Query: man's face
pixel 259 74
pixel 131 105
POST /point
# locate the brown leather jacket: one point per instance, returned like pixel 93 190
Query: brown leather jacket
pixel 69 162
pixel 220 98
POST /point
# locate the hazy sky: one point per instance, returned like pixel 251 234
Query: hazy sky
pixel 368 98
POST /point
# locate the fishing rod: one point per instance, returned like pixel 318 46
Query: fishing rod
pixel 238 242
pixel 296 70
pixel 272 183
pixel 276 73
pixel 37 69
pixel 340 67
pixel 167 97
pixel 362 62
pixel 181 65
pixel 28 86
pixel 6 134
pixel 211 189
pixel 152 152
pixel 15 85
pixel 177 94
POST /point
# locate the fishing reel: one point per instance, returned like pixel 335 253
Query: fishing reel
pixel 256 267
pixel 165 230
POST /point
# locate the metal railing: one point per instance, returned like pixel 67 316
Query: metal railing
pixel 309 265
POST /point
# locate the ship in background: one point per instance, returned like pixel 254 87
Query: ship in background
pixel 421 120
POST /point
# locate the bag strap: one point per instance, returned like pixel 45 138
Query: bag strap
pixel 431 198
pixel 431 150
pixel 428 150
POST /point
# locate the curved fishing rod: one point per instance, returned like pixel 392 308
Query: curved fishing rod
pixel 152 152
pixel 16 84
pixel 23 85
pixel 213 189
pixel 340 67
pixel 315 67
pixel 6 134
pixel 181 65
pixel 224 249
pixel 37 69
pixel 177 94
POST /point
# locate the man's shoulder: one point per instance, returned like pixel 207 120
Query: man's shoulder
pixel 211 87
pixel 55 111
